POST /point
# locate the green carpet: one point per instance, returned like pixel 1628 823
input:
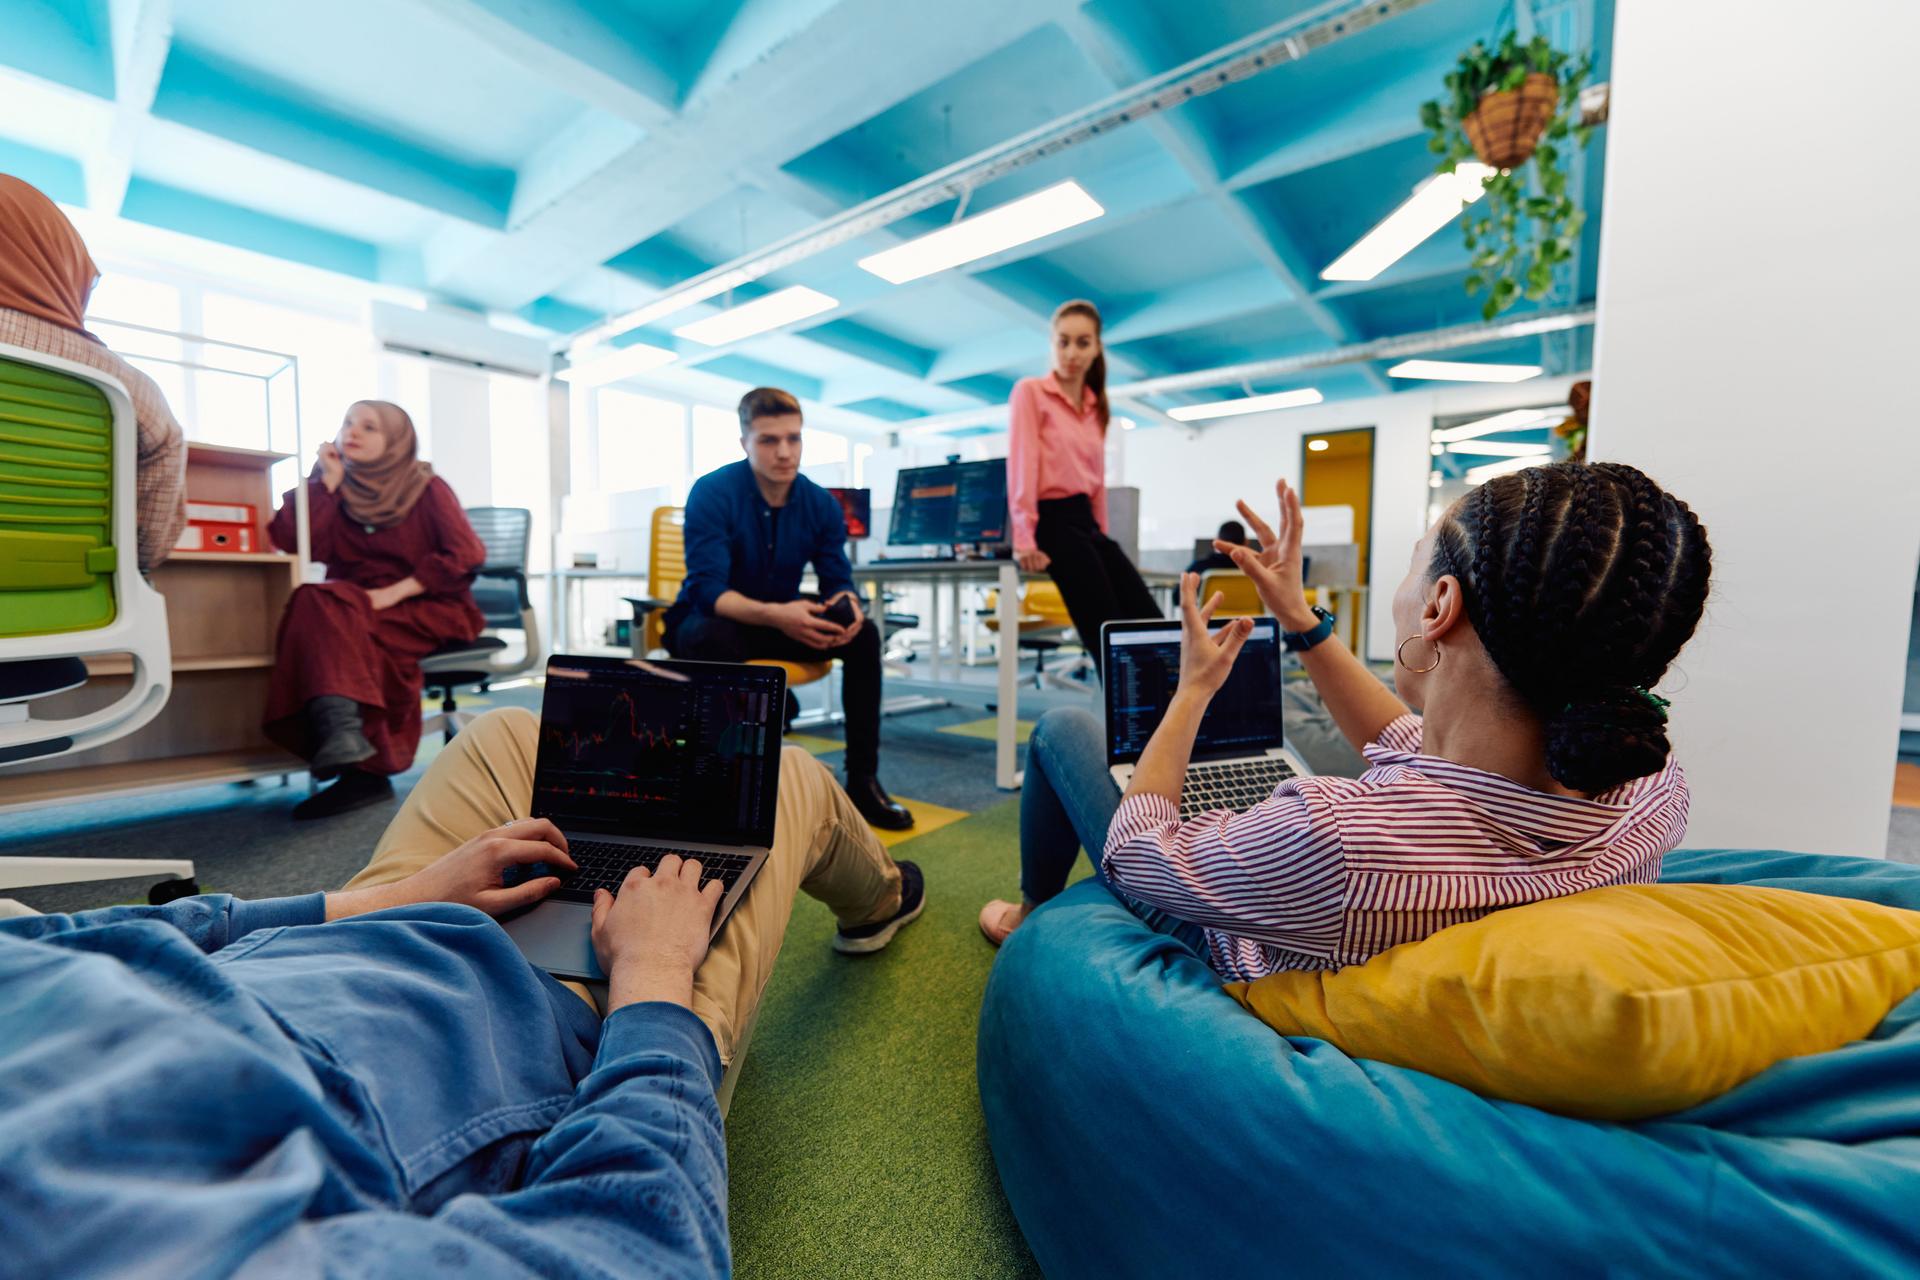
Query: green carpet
pixel 855 1141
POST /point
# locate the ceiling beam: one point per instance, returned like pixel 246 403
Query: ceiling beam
pixel 781 99
pixel 1116 53
pixel 573 48
pixel 210 95
pixel 141 32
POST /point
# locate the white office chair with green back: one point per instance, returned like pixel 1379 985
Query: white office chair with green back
pixel 70 584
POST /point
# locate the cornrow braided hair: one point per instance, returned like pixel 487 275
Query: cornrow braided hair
pixel 1583 581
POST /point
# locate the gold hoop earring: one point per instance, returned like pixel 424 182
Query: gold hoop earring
pixel 1399 653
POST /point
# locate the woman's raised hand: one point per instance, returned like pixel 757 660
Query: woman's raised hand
pixel 1206 657
pixel 1275 568
pixel 333 469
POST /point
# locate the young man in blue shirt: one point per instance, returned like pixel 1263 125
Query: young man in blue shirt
pixel 752 529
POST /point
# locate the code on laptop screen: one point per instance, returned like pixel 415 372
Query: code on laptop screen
pixel 1143 670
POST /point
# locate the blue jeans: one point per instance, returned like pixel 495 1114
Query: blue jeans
pixel 1066 804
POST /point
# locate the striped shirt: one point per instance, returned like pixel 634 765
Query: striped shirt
pixel 1330 871
pixel 160 475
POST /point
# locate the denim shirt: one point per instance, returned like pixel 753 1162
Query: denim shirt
pixel 217 1086
pixel 734 543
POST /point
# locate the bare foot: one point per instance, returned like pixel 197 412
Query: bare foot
pixel 1000 918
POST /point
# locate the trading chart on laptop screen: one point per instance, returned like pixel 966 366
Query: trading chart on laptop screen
pixel 651 755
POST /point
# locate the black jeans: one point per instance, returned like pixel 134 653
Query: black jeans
pixel 716 639
pixel 1096 580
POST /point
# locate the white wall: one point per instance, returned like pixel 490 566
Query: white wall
pixel 459 417
pixel 1758 273
pixel 1189 478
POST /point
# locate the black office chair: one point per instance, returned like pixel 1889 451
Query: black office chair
pixel 500 591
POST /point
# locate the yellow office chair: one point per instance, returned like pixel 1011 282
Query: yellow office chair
pixel 666 570
pixel 1042 610
pixel 1242 601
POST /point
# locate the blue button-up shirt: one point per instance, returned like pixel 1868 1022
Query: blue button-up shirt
pixel 217 1086
pixel 735 544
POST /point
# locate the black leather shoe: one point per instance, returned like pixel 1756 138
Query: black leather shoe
pixel 876 806
pixel 355 789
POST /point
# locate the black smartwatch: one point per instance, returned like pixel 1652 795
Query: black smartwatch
pixel 1301 641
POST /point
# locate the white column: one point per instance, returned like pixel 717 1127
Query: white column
pixel 1755 342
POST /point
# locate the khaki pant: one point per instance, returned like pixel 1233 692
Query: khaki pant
pixel 484 779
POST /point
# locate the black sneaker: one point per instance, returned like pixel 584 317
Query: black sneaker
pixel 863 938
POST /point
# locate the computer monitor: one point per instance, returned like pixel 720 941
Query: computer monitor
pixel 957 502
pixel 857 506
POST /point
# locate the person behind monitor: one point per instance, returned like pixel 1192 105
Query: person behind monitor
pixel 1056 481
pixel 752 528
pixel 400 557
pixel 1233 533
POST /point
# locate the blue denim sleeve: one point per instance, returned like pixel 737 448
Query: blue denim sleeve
pixel 830 567
pixel 631 1180
pixel 210 920
pixel 709 563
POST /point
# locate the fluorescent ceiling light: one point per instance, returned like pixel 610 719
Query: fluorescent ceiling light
pixel 615 363
pixel 1500 449
pixel 1016 222
pixel 1433 204
pixel 665 305
pixel 1481 474
pixel 1318 446
pixel 1463 371
pixel 758 316
pixel 1247 404
pixel 1510 421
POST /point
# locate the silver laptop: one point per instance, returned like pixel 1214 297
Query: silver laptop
pixel 639 759
pixel 1240 754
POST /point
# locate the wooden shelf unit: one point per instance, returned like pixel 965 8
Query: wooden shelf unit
pixel 223 613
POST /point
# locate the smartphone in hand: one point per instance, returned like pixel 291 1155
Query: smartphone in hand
pixel 840 612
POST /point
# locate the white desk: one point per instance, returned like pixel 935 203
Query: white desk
pixel 946 658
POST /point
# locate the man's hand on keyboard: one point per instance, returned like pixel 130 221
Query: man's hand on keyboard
pixel 474 875
pixel 653 935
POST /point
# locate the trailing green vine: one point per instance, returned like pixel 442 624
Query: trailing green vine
pixel 1527 224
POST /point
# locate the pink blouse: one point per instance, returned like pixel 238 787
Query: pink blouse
pixel 1054 452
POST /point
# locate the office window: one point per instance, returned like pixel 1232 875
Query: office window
pixel 156 305
pixel 716 438
pixel 517 424
pixel 337 365
pixel 643 443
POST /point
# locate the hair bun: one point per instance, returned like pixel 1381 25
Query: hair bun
pixel 1606 737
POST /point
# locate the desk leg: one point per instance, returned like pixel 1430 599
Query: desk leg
pixel 953 626
pixel 933 631
pixel 1009 668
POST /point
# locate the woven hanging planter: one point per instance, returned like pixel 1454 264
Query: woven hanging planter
pixel 1507 125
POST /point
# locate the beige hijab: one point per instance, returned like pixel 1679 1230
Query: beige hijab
pixel 382 493
pixel 45 269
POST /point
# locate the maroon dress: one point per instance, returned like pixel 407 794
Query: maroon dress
pixel 333 641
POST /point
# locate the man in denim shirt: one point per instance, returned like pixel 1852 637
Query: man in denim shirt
pixel 367 1082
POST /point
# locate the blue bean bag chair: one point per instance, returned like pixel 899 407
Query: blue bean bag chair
pixel 1145 1125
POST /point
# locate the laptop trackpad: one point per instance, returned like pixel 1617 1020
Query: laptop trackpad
pixel 557 937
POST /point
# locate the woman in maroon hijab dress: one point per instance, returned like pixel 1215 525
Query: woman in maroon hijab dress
pixel 400 557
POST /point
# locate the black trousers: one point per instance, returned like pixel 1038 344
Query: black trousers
pixel 715 639
pixel 1096 580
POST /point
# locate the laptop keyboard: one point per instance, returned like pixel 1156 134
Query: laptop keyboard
pixel 604 864
pixel 1236 784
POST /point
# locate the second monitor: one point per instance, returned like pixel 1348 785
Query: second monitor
pixel 952 504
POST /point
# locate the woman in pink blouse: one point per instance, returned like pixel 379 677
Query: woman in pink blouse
pixel 1056 481
pixel 1538 613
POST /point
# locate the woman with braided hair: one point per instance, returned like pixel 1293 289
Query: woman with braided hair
pixel 1537 615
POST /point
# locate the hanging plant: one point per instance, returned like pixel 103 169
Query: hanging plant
pixel 1516 108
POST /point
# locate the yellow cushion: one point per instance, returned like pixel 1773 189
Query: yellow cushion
pixel 798 673
pixel 1617 1003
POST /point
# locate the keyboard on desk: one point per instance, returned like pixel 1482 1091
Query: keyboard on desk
pixel 1234 784
pixel 604 865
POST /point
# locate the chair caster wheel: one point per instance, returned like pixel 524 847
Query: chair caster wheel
pixel 168 890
